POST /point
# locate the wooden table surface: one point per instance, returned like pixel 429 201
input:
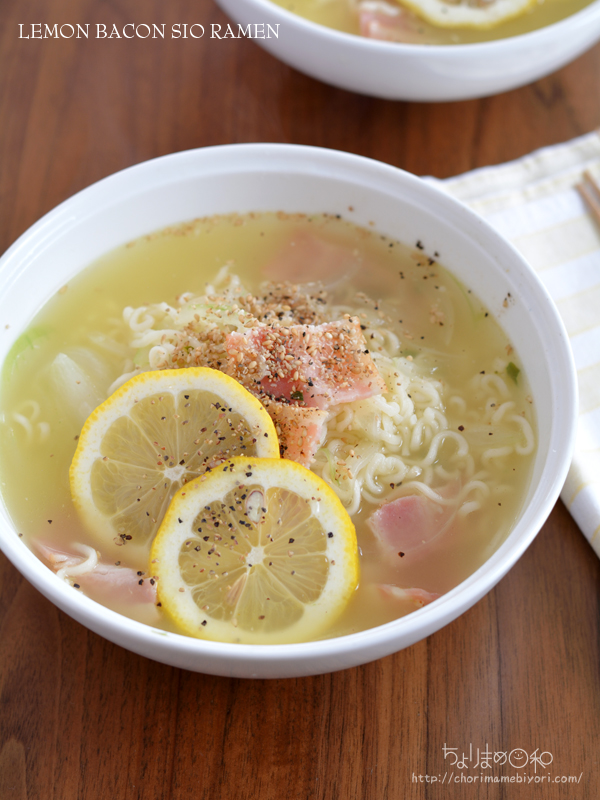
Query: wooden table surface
pixel 83 718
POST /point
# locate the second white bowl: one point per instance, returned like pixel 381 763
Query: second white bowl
pixel 413 71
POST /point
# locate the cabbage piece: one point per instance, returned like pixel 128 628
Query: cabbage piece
pixel 24 346
pixel 79 390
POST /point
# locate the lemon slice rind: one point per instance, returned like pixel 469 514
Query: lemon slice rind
pixel 133 453
pixel 183 533
pixel 462 15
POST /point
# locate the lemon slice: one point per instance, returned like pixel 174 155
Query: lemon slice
pixel 468 13
pixel 157 432
pixel 259 551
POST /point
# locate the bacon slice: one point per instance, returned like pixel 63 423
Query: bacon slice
pixel 392 23
pixel 308 259
pixel 420 597
pixel 316 366
pixel 407 524
pixel 108 581
pixel 300 430
pixel 123 584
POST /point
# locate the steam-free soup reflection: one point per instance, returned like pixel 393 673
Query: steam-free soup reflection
pixel 408 401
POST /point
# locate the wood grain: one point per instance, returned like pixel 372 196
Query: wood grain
pixel 82 718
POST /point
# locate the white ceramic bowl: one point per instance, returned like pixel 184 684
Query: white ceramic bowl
pixel 298 179
pixel 418 72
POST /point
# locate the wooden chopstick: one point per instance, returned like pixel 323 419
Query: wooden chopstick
pixel 589 189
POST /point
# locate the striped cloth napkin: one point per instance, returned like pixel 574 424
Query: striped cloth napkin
pixel 533 203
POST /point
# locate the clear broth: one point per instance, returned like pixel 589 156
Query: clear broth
pixel 34 474
pixel 340 15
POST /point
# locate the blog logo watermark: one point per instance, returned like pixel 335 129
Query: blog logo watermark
pixel 143 30
pixel 476 766
pixel 486 759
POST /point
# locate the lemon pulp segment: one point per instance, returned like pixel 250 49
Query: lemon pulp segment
pixel 468 13
pixel 157 432
pixel 257 551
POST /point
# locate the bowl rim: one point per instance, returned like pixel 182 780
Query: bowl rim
pixel 537 37
pixel 417 625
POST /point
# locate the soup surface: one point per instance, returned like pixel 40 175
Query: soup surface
pixel 448 443
pixel 391 21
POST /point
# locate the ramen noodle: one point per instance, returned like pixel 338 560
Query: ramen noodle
pixel 426 432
